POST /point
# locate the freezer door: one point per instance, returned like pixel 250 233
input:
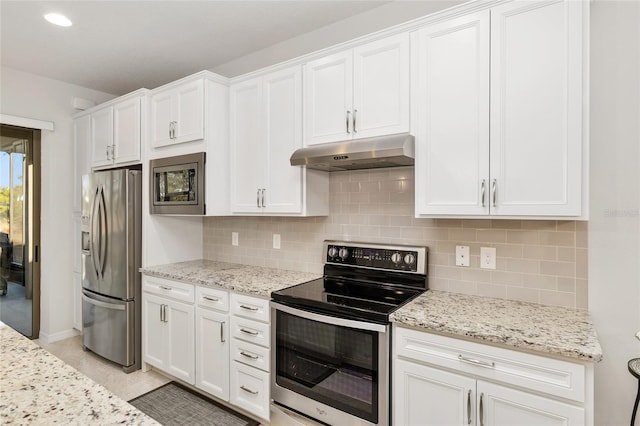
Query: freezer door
pixel 108 328
pixel 110 232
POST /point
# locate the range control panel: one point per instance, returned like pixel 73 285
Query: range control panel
pixel 393 258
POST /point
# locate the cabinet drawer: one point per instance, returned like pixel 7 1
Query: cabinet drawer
pixel 549 375
pixel 250 389
pixel 212 298
pixel 169 288
pixel 250 307
pixel 250 354
pixel 250 331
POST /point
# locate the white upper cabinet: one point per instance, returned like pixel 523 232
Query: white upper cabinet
pixel 177 114
pixel 266 127
pixel 536 108
pixel 116 132
pixel 451 89
pixel 358 93
pixel 498 112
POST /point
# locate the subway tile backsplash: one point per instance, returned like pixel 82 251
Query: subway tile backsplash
pixel 537 261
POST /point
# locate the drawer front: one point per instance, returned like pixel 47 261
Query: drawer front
pixel 254 332
pixel 250 354
pixel 250 389
pixel 212 298
pixel 168 288
pixel 549 375
pixel 250 307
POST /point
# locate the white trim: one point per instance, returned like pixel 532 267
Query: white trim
pixel 26 122
pixel 61 335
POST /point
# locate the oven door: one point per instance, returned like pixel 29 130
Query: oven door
pixel 334 370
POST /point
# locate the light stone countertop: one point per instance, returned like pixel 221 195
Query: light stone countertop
pixel 246 279
pixel 549 330
pixel 38 388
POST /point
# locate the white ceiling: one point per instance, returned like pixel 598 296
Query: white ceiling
pixel 120 46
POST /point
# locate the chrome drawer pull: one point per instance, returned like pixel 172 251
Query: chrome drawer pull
pixel 211 299
pixel 252 392
pixel 248 355
pixel 476 362
pixel 222 339
pixel 166 288
pixel 250 332
pixel 249 308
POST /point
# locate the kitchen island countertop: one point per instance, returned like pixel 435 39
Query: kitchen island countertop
pixel 549 330
pixel 38 388
pixel 246 279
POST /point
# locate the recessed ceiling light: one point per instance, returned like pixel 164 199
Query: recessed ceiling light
pixel 57 19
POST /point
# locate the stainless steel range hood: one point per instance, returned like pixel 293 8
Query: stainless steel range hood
pixel 367 153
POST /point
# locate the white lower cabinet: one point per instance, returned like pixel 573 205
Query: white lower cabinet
pixel 212 352
pixel 250 389
pixel 442 381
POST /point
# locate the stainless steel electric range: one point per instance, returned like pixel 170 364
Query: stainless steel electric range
pixel 332 336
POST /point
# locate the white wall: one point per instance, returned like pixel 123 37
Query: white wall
pixel 614 228
pixel 31 96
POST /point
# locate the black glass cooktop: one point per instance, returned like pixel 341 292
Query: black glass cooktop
pixel 353 297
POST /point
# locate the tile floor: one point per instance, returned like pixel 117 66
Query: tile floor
pixel 108 374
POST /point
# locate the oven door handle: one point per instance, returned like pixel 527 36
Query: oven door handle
pixel 340 322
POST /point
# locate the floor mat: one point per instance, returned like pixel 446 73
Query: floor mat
pixel 174 404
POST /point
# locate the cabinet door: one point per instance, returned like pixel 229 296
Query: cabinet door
pixel 502 406
pixel 82 159
pixel 328 98
pixel 424 396
pixel 153 331
pixel 381 87
pixel 250 389
pixel 247 150
pixel 126 131
pixel 102 137
pixel 282 112
pixel 180 323
pixel 451 107
pixel 188 112
pixel 212 352
pixel 536 108
pixel 161 118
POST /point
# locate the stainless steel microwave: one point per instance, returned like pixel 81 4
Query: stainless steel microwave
pixel 177 185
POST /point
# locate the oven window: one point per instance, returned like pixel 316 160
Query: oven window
pixel 335 365
pixel 175 185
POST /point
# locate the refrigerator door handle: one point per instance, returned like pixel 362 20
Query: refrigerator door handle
pixel 93 252
pixel 103 304
pixel 103 232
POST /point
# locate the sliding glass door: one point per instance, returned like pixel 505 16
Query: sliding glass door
pixel 20 229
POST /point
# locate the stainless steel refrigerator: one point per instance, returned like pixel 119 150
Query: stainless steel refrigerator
pixel 111 284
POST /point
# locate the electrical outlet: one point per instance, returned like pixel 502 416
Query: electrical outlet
pixel 488 257
pixel 462 255
pixel 234 238
pixel 276 241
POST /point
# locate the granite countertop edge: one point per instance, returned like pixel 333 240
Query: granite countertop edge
pixel 551 330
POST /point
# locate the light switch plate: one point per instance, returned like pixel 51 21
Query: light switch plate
pixel 488 257
pixel 462 255
pixel 276 241
pixel 234 238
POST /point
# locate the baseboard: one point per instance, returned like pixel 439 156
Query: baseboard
pixel 60 335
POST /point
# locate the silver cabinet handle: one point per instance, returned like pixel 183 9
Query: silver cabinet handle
pixel 482 409
pixel 264 202
pixel 258 197
pixel 249 332
pixel 166 288
pixel 249 308
pixel 469 407
pixel 355 113
pixel 476 362
pixel 211 299
pixel 483 188
pixel 347 122
pixel 165 313
pixel 222 339
pixel 494 184
pixel 252 392
pixel 161 315
pixel 248 355
pixel 171 130
pixel 108 153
